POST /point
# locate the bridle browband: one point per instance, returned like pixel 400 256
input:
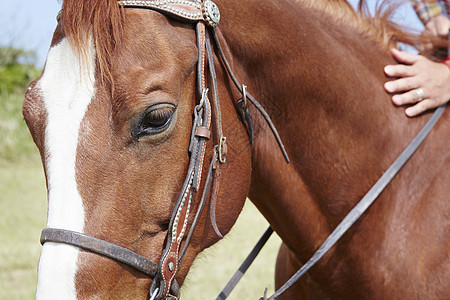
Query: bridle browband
pixel 206 15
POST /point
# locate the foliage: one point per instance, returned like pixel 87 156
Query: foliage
pixel 15 140
pixel 16 69
pixel 23 210
pixel 16 72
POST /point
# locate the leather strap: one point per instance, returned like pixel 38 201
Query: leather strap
pixel 258 106
pixel 170 259
pixel 104 248
pixel 345 224
pixel 245 265
pixel 365 202
pixel 205 193
pixel 201 41
pixel 187 11
pixel 203 132
pixel 244 113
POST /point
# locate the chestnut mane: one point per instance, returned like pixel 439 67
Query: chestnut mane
pixel 380 27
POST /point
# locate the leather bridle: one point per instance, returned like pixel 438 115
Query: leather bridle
pixel 206 15
pixel 164 285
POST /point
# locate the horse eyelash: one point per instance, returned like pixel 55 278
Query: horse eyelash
pixel 161 113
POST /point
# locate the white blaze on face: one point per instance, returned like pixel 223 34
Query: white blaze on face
pixel 67 90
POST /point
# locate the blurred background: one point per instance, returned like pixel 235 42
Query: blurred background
pixel 26 31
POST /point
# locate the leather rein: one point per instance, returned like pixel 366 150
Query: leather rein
pixel 206 15
pixel 345 224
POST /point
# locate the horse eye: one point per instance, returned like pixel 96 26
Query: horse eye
pixel 155 120
pixel 158 118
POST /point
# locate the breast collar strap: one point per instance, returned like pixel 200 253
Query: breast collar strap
pixel 164 284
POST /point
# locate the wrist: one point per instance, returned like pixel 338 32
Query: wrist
pixel 447 61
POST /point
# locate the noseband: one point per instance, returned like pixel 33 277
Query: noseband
pixel 164 285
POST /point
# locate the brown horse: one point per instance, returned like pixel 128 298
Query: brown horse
pixel 112 117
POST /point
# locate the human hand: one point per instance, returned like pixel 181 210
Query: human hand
pixel 438 26
pixel 416 72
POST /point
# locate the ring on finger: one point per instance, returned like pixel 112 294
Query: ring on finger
pixel 419 93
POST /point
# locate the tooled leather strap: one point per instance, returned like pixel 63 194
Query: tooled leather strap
pixel 189 11
pixel 215 160
pixel 202 129
pixel 171 259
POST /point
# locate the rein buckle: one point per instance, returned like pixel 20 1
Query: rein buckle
pixel 244 113
pixel 222 150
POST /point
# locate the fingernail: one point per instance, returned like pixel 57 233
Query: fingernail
pixel 388 86
pixel 388 70
pixel 409 112
pixel 396 100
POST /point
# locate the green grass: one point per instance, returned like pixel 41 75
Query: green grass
pixel 15 140
pixel 23 214
pixel 215 266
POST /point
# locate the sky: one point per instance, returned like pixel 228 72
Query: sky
pixel 29 24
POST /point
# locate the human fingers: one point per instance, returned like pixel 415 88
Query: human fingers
pixel 431 28
pixel 400 85
pixel 419 108
pixel 404 57
pixel 399 71
pixel 409 97
pixel 442 25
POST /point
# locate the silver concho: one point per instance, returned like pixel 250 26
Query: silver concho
pixel 211 13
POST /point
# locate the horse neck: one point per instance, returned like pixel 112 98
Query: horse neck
pixel 322 82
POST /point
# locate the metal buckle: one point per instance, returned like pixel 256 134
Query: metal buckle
pixel 198 118
pixel 203 99
pixel 155 293
pixel 222 150
pixel 265 295
pixel 244 94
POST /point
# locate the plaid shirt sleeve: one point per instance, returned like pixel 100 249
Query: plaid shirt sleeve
pixel 427 9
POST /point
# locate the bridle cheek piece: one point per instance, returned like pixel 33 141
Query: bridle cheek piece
pixel 164 285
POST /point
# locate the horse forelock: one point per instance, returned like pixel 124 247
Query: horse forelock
pixel 101 20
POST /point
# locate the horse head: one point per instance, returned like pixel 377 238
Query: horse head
pixel 117 115
pixel 133 136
